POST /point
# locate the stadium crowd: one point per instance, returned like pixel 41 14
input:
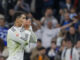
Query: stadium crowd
pixel 56 24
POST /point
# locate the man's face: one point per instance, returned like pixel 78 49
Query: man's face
pixel 53 45
pixel 63 43
pixel 69 44
pixel 72 10
pixel 48 12
pixel 68 1
pixel 20 20
pixel 11 12
pixel 72 30
pixel 2 22
pixel 25 21
pixel 43 52
pixel 38 44
pixel 78 44
pixel 67 16
pixel 50 24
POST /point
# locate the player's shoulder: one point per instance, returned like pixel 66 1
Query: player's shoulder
pixel 11 29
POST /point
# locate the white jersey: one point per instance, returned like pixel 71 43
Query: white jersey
pixel 76 54
pixel 70 54
pixel 18 39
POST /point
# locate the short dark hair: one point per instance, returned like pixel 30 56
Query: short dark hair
pixel 17 14
pixel 42 48
pixel 39 40
pixel 53 42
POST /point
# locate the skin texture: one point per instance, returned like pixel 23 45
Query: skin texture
pixel 22 21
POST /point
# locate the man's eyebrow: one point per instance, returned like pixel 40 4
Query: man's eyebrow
pixel 24 17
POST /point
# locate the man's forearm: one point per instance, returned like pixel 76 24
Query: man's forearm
pixel 68 25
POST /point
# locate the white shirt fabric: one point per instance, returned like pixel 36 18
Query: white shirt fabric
pixel 54 21
pixel 19 40
pixel 76 54
pixel 59 40
pixel 51 53
pixel 38 34
pixel 68 54
pixel 68 6
pixel 47 36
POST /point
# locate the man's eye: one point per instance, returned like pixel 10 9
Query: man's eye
pixel 24 18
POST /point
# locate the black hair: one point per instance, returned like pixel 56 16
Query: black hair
pixel 63 41
pixel 49 8
pixel 17 14
pixel 39 40
pixel 53 42
pixel 42 48
pixel 77 41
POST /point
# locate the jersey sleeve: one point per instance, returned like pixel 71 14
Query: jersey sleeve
pixel 32 42
pixel 12 36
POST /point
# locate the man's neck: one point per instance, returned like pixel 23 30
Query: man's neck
pixel 69 47
pixel 27 27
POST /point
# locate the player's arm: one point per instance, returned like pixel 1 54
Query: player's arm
pixel 32 43
pixel 68 25
pixel 12 36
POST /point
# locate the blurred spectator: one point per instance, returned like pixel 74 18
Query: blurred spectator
pixel 11 13
pixel 3 49
pixel 1 8
pixel 66 5
pixel 39 45
pixel 72 13
pixel 67 20
pixel 36 25
pixel 3 29
pixel 36 8
pixel 41 55
pixel 49 3
pixel 49 32
pixel 77 5
pixel 51 51
pixel 22 6
pixel 76 52
pixel 61 16
pixel 67 52
pixel 11 3
pixel 72 35
pixel 49 17
pixel 28 2
pixel 60 38
pixel 63 45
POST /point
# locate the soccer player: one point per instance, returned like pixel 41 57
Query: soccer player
pixel 20 37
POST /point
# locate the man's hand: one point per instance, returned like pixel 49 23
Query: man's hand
pixel 75 20
pixel 27 24
pixel 68 25
pixel 19 2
